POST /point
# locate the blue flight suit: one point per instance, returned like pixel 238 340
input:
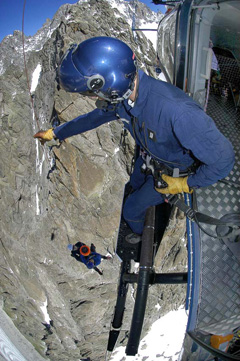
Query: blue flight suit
pixel 96 257
pixel 170 127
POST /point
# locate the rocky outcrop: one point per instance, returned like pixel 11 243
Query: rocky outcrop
pixel 52 196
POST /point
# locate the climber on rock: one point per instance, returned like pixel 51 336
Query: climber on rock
pixel 87 255
pixel 181 148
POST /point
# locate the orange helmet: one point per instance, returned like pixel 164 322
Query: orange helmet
pixel 85 250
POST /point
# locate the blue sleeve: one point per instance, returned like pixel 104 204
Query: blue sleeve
pixel 198 133
pixel 84 123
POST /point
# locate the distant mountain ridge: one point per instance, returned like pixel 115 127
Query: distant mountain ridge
pixel 11 45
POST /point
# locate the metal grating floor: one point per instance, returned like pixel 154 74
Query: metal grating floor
pixel 219 306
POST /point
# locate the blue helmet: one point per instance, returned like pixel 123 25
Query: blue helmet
pixel 102 66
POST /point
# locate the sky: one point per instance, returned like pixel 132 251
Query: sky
pixel 36 13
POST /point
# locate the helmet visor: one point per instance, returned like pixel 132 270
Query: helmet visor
pixel 69 78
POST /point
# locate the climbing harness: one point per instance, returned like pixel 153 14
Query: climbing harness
pixel 157 169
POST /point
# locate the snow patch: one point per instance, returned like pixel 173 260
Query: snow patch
pixel 37 202
pixel 35 78
pixel 152 34
pixel 1 67
pixel 161 342
pixel 47 318
pixel 162 77
pixel 40 164
pixel 109 255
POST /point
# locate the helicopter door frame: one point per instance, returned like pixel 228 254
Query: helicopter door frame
pixel 199 54
pixel 181 44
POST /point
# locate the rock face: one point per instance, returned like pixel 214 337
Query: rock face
pixel 52 196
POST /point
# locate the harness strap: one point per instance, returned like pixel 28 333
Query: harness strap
pixel 154 165
pixel 233 224
pixel 157 169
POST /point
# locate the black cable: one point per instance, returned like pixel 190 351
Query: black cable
pixel 230 183
pixel 203 230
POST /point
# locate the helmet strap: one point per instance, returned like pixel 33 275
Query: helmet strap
pixel 115 99
pixel 135 85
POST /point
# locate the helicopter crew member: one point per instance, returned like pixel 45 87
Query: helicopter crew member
pixel 172 130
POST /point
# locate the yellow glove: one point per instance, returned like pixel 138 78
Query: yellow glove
pixel 175 185
pixel 45 135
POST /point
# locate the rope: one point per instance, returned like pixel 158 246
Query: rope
pixel 29 91
pixel 198 217
pixel 25 66
pixel 54 180
pixel 28 84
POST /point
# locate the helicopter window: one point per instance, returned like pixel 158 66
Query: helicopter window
pixel 166 44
